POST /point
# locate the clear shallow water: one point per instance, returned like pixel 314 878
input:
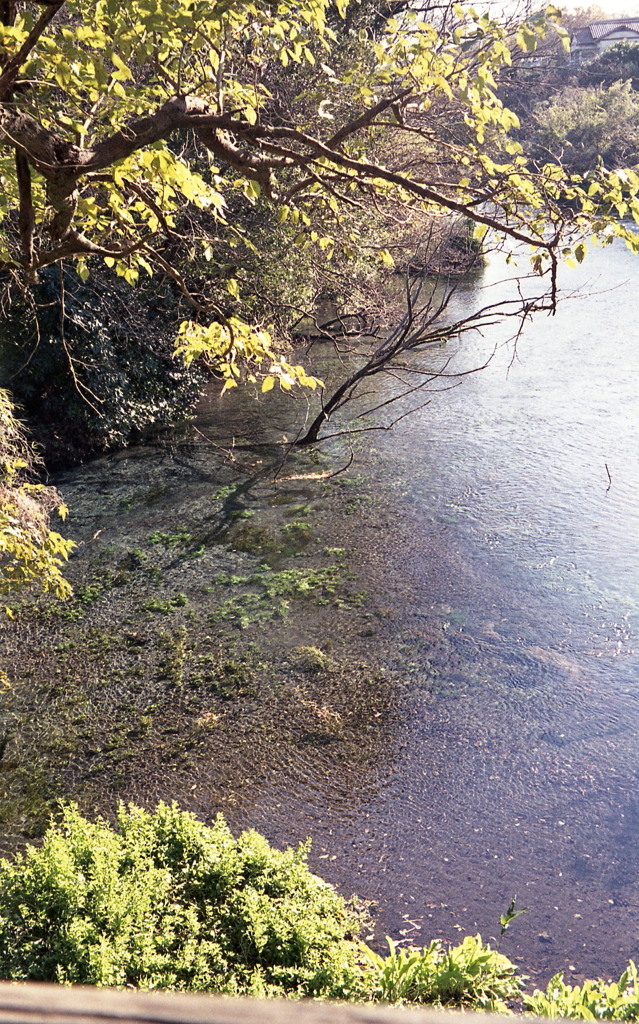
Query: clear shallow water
pixel 511 571
pixel 502 581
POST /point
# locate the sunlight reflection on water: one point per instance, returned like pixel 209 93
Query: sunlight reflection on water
pixel 502 598
pixel 513 572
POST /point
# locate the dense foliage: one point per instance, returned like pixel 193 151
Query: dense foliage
pixel 594 1000
pixel 619 63
pixel 470 975
pixel 164 901
pixel 29 550
pixel 584 127
pixel 92 364
pixel 167 902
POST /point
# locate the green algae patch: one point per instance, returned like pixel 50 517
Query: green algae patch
pixel 272 592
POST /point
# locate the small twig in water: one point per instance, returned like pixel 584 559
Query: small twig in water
pixel 229 454
pixel 317 476
pixel 609 477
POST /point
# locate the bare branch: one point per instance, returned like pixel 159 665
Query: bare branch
pixel 421 327
pixel 179 280
pixel 77 383
pixel 153 206
pixel 77 244
pixel 365 119
pixel 368 170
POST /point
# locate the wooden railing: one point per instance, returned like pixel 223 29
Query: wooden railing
pixel 57 1004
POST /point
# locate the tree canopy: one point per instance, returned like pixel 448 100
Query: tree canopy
pixel 115 119
pixel 584 127
pixel 132 134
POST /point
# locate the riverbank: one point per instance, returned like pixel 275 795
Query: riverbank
pixel 196 647
pixel 499 747
pixel 220 914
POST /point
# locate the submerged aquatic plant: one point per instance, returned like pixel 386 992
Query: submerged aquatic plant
pixel 507 919
pixel 275 589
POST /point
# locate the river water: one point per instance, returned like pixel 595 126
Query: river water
pixel 510 560
pixel 492 543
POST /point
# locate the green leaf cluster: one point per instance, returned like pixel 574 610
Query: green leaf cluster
pixel 235 346
pixel 594 1000
pixel 168 902
pixel 470 975
pixel 30 552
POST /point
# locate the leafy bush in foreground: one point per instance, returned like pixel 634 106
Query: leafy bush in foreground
pixel 594 1000
pixel 471 975
pixel 168 902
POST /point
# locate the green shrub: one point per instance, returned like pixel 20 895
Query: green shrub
pixel 594 1000
pixel 587 126
pixel 168 902
pixel 470 975
pixel 618 62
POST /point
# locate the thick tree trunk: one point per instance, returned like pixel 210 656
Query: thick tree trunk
pixel 26 214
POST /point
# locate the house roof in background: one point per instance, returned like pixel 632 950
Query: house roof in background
pixel 600 29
